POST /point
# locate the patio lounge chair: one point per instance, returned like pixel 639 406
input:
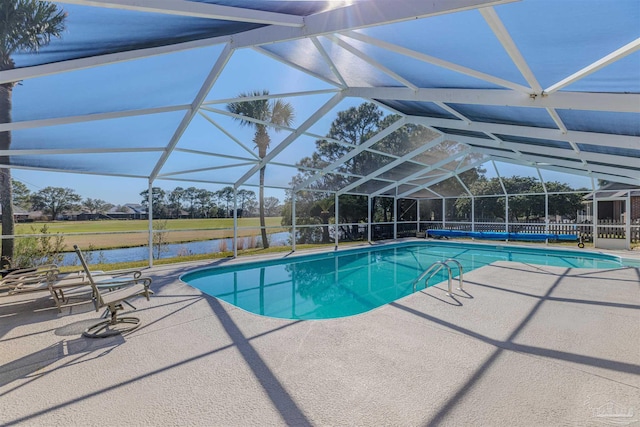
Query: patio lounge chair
pixel 42 278
pixel 28 279
pixel 111 293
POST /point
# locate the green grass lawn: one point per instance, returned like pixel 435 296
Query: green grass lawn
pixel 103 226
pixel 109 234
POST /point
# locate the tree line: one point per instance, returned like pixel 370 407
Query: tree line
pixel 180 202
pixel 199 203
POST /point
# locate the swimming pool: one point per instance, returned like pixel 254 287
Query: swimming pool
pixel 348 282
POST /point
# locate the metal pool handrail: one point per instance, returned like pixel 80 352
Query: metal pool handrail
pixel 432 271
pixel 435 268
pixel 460 269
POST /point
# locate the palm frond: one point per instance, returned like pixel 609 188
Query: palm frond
pixel 26 26
pixel 282 113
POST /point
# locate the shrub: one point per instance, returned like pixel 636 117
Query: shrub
pixel 159 238
pixel 45 248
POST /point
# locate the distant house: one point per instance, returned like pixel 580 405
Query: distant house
pixel 127 211
pixel 612 200
pixel 21 215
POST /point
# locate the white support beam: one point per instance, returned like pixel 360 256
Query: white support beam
pixel 587 101
pixel 464 185
pixel 625 50
pixel 246 118
pixel 435 181
pixel 359 15
pixel 235 223
pixel 329 61
pixel 499 176
pixel 207 153
pixel 593 175
pixel 196 10
pixel 422 172
pixel 375 64
pixel 436 61
pixel 308 169
pixel 221 182
pixel 30 124
pixel 393 164
pixel 498 28
pixel 75 171
pixel 211 168
pixel 453 112
pixel 335 100
pixel 150 222
pixel 268 53
pixel 594 138
pixel 271 96
pixel 61 151
pixel 280 127
pixel 229 135
pixel 357 150
pixel 19 74
pixel 583 156
pixel 543 161
pixel 195 105
pixel 544 184
pixel 558 121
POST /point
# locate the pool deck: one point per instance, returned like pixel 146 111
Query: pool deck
pixel 523 345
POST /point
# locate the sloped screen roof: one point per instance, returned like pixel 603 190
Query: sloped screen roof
pixel 141 90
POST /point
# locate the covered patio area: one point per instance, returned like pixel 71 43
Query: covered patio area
pixel 527 345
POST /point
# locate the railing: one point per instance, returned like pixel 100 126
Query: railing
pixel 584 230
pixel 435 268
pixel 460 271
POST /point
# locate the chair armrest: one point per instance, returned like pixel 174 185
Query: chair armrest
pixel 112 284
pixel 29 275
pixel 117 273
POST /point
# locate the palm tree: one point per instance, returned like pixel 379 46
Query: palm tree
pixel 276 112
pixel 25 26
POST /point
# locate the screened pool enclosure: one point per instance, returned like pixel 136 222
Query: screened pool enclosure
pixel 406 116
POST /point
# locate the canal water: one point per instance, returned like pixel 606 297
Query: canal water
pixel 110 256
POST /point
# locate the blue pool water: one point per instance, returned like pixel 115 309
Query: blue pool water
pixel 344 283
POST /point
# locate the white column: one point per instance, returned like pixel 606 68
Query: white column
pixel 335 203
pixel 444 212
pixel 627 222
pixel 235 222
pixel 395 217
pixel 150 219
pixel 473 214
pixel 506 214
pixel 369 218
pixel 595 221
pixel 293 221
pixel 546 216
pixel 418 216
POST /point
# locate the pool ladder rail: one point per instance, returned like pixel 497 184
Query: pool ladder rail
pixel 435 268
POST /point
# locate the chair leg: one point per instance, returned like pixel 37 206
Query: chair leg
pixel 106 311
pixel 114 326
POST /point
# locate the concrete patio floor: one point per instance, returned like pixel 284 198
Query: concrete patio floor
pixel 525 345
